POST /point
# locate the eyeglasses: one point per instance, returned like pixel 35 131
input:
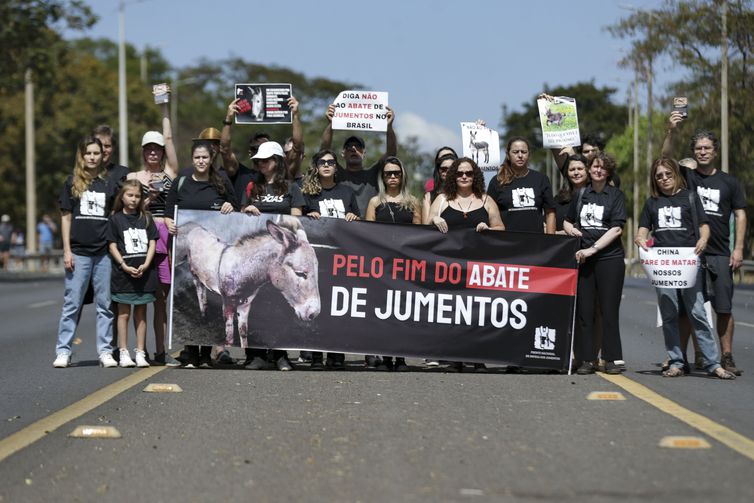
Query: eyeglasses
pixel 321 163
pixel 462 174
pixel 392 174
pixel 663 176
pixel 703 148
pixel 353 146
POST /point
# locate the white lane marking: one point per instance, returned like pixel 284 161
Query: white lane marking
pixel 744 324
pixel 44 303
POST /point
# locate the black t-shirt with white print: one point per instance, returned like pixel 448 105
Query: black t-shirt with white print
pixel 280 204
pixel 189 194
pixel 89 215
pixel 523 201
pixel 671 220
pixel 243 181
pixel 132 234
pixel 334 202
pixel 720 193
pixel 600 211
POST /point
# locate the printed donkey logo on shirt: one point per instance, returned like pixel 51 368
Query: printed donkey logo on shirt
pixel 523 197
pixel 710 199
pixel 92 204
pixel 669 216
pixel 135 240
pixel 591 215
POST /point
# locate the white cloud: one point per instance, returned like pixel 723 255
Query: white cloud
pixel 430 136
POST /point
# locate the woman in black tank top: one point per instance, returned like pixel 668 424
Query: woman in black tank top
pixel 393 204
pixel 464 205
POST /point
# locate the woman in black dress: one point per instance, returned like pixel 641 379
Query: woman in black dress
pixel 393 204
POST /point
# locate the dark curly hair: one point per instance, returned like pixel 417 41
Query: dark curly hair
pixel 451 185
pixel 608 163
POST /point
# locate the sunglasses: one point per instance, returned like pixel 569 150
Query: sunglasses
pixel 443 169
pixel 663 176
pixel 325 162
pixel 464 174
pixel 392 174
pixel 353 146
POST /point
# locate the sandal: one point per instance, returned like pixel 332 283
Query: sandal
pixel 721 373
pixel 673 372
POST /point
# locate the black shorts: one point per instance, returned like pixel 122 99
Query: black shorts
pixel 719 279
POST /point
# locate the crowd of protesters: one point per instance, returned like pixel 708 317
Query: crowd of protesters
pixel 116 231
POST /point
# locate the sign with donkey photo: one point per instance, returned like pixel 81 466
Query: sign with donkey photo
pixel 263 103
pixel 481 144
pixel 560 122
pixel 285 282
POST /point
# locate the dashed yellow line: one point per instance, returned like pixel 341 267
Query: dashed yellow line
pixel 739 443
pixel 35 431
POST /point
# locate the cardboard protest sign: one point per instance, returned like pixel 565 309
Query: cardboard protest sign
pixel 263 103
pixel 361 111
pixel 560 122
pixel 670 267
pixel 481 144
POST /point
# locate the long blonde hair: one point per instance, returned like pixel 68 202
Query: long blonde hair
pixel 407 200
pixel 81 177
pixel 312 186
pixel 141 211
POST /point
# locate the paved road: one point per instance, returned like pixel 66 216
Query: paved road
pixel 365 436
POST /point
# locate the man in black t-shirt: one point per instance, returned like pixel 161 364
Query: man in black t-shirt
pixel 362 181
pixel 722 196
pixel 115 172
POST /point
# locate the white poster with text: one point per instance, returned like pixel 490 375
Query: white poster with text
pixel 361 111
pixel 560 122
pixel 481 144
pixel 670 267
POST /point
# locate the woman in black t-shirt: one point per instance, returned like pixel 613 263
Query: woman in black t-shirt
pixel 443 159
pixel 276 195
pixel 597 216
pixel 393 204
pixel 676 217
pixel 203 189
pixel 325 197
pixel 85 206
pixel 576 178
pixel 522 195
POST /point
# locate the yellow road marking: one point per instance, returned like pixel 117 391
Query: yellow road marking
pixel 35 431
pixel 739 443
pixel 162 388
pixel 605 395
pixel 85 431
pixel 684 443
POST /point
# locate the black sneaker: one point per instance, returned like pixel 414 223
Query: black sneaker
pixel 480 368
pixel 305 357
pixel 371 361
pixel 283 364
pixel 454 367
pixel 257 363
pixel 224 358
pixel 317 364
pixel 205 361
pixel 586 368
pixel 730 365
pixel 612 369
pixel 336 362
pixel 400 365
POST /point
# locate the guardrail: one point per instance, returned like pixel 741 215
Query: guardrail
pixel 37 262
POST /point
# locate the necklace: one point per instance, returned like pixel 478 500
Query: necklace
pixel 466 211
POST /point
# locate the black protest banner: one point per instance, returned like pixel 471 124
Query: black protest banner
pixel 263 104
pixel 369 288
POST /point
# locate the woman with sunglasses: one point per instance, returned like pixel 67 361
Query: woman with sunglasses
pixel 676 217
pixel 443 159
pixel 523 196
pixel 325 197
pixel 597 214
pixel 393 204
pixel 274 194
pixel 463 205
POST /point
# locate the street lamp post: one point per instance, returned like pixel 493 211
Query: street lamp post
pixel 122 103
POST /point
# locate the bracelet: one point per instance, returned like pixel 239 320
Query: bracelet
pixel 595 247
pixel 227 122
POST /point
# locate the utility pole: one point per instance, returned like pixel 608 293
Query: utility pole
pixel 122 103
pixel 635 219
pixel 31 178
pixel 724 91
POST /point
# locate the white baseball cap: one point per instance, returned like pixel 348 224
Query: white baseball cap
pixel 268 149
pixel 153 137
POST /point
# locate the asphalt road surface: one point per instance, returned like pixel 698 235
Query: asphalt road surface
pixel 367 436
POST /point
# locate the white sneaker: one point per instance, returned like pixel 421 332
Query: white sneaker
pixel 141 358
pixel 106 360
pixel 62 361
pixel 125 359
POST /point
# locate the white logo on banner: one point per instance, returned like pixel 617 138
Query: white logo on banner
pixel 669 216
pixel 523 197
pixel 544 338
pixel 92 204
pixel 710 198
pixel 591 215
pixel 332 208
pixel 135 240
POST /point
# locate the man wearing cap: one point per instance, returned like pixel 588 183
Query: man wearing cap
pixel 362 181
pixel 241 175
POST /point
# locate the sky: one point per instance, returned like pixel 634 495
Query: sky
pixel 442 62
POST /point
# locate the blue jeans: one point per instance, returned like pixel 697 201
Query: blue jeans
pixel 97 269
pixel 693 301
